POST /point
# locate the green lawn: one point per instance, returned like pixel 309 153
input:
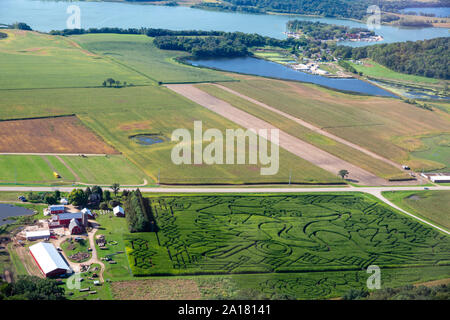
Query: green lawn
pixel 138 53
pixel 430 205
pixel 34 60
pixel 73 247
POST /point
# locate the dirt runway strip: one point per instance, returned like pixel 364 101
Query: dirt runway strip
pixel 292 144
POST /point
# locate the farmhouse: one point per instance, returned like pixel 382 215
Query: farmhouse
pixel 49 260
pixel 56 209
pixel 64 201
pixel 118 211
pixel 75 227
pixel 37 235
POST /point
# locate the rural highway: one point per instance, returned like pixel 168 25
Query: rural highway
pixel 375 191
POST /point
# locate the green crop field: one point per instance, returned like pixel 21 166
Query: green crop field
pixel 430 205
pixel 24 169
pixel 138 53
pixel 388 127
pixel 280 233
pixel 338 149
pixel 34 60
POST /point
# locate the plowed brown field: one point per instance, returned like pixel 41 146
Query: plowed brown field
pixel 50 135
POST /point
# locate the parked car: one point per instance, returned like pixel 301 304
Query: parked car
pixel 22 198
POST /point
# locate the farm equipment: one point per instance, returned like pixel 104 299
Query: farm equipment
pixel 56 175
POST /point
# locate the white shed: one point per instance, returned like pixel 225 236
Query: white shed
pixel 38 234
pixel 118 211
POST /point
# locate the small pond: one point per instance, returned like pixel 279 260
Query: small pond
pixel 148 139
pixel 8 210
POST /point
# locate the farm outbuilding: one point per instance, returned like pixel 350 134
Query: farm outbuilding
pixel 57 209
pixel 49 260
pixel 88 212
pixel 440 179
pixel 37 235
pixel 118 211
pixel 75 227
pixel 64 201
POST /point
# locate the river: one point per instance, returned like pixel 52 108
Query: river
pixel 52 15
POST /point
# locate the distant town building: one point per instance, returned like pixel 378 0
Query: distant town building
pixel 37 235
pixel 49 260
pixel 118 211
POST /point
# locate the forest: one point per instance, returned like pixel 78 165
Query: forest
pixel 429 58
pixel 356 9
pixel 324 31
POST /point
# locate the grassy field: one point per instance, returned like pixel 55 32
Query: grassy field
pixel 34 60
pixel 385 126
pixel 436 149
pixel 138 53
pixel 430 205
pixel 105 170
pixel 25 169
pixel 375 70
pixel 338 149
pixel 73 247
pixel 293 235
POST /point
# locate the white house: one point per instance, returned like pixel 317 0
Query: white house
pixel 118 211
pixel 64 201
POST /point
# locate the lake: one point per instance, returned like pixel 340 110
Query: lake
pixel 438 11
pixel 7 210
pixel 52 15
pixel 259 67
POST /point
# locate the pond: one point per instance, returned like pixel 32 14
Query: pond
pixel 8 210
pixel 52 15
pixel 259 67
pixel 148 139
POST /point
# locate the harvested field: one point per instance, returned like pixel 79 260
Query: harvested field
pixel 156 289
pixel 50 135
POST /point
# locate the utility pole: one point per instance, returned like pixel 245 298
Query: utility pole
pixel 290 176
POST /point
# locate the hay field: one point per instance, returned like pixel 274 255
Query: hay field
pixel 35 60
pixel 50 135
pixel 388 127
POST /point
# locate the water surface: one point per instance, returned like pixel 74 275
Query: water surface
pixel 7 210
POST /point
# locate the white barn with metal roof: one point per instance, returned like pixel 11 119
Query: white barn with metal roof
pixel 49 260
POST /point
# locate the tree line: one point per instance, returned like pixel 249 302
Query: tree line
pixel 139 213
pixel 427 58
pixel 32 288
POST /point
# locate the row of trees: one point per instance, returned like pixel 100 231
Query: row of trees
pixel 427 58
pixel 32 288
pixel 139 213
pixel 116 83
pixel 90 196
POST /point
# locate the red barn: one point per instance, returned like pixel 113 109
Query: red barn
pixel 65 218
pixel 49 260
pixel 75 227
pixel 56 209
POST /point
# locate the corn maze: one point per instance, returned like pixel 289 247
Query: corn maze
pixel 281 233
